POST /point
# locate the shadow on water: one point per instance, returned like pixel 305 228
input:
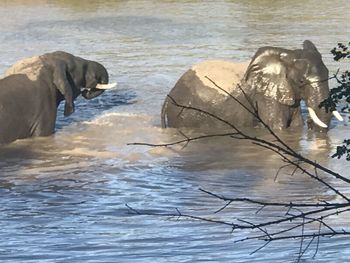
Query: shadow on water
pixel 222 150
pixel 243 166
pixel 13 154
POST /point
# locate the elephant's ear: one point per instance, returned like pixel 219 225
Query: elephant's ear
pixel 269 78
pixel 61 82
pixel 309 46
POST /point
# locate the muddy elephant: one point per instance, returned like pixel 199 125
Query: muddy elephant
pixel 33 88
pixel 275 81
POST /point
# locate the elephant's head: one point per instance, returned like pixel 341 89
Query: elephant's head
pixel 96 78
pixel 288 76
pixel 73 76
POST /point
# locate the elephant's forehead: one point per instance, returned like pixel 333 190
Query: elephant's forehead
pixel 29 66
pixel 272 68
pixel 225 74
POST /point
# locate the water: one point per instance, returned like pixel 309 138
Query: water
pixel 63 197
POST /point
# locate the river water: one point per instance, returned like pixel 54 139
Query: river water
pixel 63 197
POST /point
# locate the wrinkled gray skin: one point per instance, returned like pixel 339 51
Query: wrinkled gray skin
pixel 33 88
pixel 276 80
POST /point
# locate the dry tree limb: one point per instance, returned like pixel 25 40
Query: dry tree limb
pixel 264 203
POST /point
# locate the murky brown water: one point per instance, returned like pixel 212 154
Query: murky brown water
pixel 63 197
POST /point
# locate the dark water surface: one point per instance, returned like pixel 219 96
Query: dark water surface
pixel 63 197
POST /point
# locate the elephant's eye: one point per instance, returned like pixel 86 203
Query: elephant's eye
pixel 100 80
pixel 302 82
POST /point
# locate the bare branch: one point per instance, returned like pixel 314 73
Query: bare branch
pixel 260 248
pixel 263 203
pixel 201 137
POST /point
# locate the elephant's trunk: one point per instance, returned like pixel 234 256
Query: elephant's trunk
pixel 91 93
pixel 318 92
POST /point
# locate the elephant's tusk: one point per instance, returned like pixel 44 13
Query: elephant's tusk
pixel 337 115
pixel 106 86
pixel 316 119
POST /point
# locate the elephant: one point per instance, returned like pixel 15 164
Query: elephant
pixel 274 82
pixel 32 89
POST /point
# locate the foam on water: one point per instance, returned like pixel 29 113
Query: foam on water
pixel 107 137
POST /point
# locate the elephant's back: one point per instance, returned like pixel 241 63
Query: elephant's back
pixel 201 80
pixel 28 66
pixel 225 74
pixel 197 88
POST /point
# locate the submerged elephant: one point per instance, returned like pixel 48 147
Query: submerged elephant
pixel 33 88
pixel 275 81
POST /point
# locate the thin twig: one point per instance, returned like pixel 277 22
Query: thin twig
pixel 264 203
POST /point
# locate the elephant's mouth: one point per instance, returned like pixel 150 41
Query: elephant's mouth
pixel 313 115
pixel 90 93
pixel 101 86
pixel 318 121
pixel 296 104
